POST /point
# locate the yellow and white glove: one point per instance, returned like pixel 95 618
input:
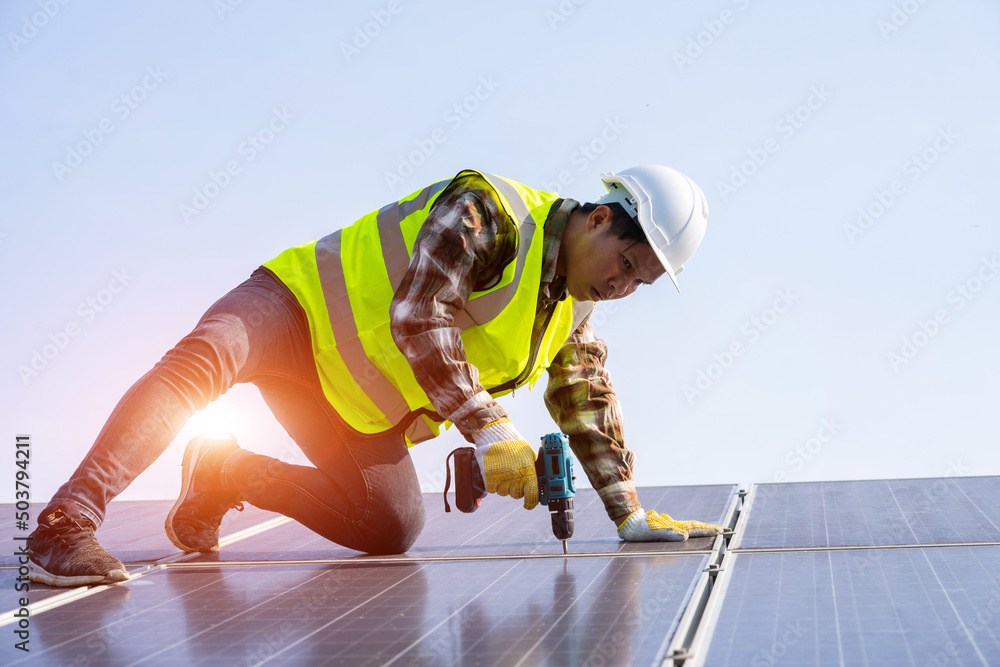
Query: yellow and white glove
pixel 507 462
pixel 653 527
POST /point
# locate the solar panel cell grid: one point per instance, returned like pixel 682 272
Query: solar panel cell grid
pixel 874 513
pixel 799 587
pixel 548 610
pixel 502 528
pixel 866 607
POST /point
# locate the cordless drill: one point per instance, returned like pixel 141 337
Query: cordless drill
pixel 554 469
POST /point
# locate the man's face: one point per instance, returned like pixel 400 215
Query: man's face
pixel 605 267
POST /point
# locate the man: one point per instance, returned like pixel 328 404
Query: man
pixel 365 341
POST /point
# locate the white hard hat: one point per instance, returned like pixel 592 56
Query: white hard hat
pixel 670 207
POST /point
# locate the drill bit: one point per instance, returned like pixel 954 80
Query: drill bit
pixel 565 549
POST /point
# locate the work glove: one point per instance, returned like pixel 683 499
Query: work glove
pixel 507 462
pixel 653 527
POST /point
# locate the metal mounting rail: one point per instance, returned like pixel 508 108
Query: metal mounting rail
pixel 690 638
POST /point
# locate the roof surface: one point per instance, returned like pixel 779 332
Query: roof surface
pixel 840 573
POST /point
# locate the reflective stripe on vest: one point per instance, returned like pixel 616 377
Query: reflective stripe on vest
pixel 363 373
pixel 394 246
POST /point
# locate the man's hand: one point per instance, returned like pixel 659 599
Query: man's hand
pixel 653 527
pixel 507 462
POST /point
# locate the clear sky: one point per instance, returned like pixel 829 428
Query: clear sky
pixel 840 320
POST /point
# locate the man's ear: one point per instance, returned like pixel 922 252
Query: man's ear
pixel 599 218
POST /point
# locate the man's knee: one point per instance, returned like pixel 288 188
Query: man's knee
pixel 397 526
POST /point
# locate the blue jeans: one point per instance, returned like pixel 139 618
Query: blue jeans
pixel 362 493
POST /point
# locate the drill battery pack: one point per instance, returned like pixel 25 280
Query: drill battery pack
pixel 553 467
pixel 469 486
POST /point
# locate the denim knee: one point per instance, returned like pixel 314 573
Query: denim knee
pixel 395 526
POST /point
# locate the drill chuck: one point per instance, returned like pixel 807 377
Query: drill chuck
pixel 562 518
pixel 556 489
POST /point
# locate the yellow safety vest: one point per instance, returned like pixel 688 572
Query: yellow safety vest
pixel 345 282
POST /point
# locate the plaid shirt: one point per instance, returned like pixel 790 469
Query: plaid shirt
pixel 463 246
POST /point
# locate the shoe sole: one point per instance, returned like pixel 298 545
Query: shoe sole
pixel 191 455
pixel 40 575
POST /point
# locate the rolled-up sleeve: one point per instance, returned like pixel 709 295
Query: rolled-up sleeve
pixel 461 247
pixel 582 402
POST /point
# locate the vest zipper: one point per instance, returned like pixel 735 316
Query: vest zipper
pixel 513 384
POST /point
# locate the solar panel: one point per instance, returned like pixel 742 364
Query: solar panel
pixel 918 606
pixel 874 513
pixel 803 588
pixel 546 611
pixel 547 607
pixel 502 527
pixel 133 530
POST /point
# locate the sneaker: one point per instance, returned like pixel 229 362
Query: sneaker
pixel 64 552
pixel 193 522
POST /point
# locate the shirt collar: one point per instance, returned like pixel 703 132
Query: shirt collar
pixel 553 287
